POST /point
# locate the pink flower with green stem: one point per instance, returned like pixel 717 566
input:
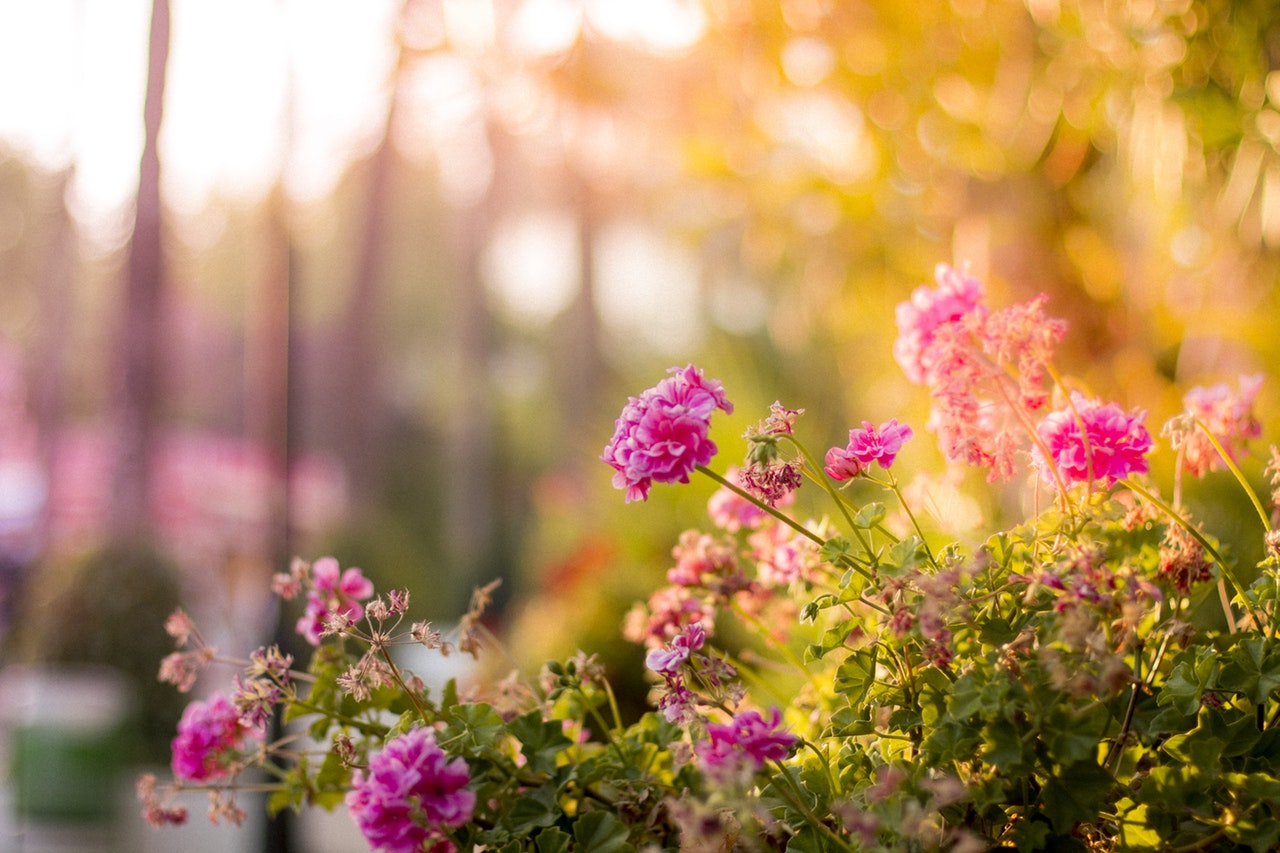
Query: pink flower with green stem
pixel 1222 412
pixel 867 444
pixel 661 436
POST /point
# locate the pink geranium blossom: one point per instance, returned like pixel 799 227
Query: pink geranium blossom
pixel 331 592
pixel 409 794
pixel 662 434
pixel 747 740
pixel 1113 445
pixel 867 444
pixel 1224 412
pixel 209 735
pixel 929 308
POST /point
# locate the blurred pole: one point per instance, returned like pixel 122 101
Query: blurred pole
pixel 272 382
pixel 140 342
pixel 56 307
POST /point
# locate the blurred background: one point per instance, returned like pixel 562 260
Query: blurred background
pixel 374 278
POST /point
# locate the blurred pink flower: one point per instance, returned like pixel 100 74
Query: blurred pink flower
pixel 732 512
pixel 747 739
pixel 867 444
pixel 926 310
pixel 662 434
pixel 332 593
pixel 409 793
pixel 1112 446
pixel 208 733
pixel 1226 413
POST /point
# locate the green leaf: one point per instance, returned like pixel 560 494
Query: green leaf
pixel 870 515
pixel 479 720
pixel 533 809
pixel 1076 794
pixel 541 740
pixel 997 632
pixel 1136 831
pixel 856 674
pixel 1252 669
pixel 552 841
pixel 600 832
pixel 807 840
pixel 834 549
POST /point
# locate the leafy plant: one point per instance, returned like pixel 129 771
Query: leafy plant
pixel 1054 686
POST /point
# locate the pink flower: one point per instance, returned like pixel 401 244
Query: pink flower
pixel 1227 414
pixel 732 512
pixel 332 591
pixel 749 739
pixel 209 734
pixel 667 661
pixel 866 445
pixel 662 434
pixel 1113 445
pixel 919 318
pixel 410 793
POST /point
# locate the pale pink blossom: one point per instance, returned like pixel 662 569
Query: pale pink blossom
pixel 1112 446
pixel 662 434
pixel 1224 412
pixel 668 660
pixel 929 308
pixel 732 512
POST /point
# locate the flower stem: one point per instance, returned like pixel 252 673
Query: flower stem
pixel 1239 475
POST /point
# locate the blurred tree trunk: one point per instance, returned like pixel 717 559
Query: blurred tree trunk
pixel 141 336
pixel 361 391
pixel 583 371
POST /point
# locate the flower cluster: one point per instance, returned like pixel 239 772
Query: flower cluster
pixel 211 736
pixel 1100 676
pixel 410 793
pixel 662 434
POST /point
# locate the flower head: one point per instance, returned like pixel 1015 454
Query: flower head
pixel 867 444
pixel 1112 446
pixel 1224 412
pixel 332 593
pixel 748 739
pixel 662 434
pixel 208 735
pixel 410 792
pixel 929 308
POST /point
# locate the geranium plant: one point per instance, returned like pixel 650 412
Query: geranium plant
pixel 1060 685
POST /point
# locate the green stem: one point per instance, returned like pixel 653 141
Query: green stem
pixel 819 476
pixel 781 516
pixel 1174 516
pixel 1239 475
pixel 796 797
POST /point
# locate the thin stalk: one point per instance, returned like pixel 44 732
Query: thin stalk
pixel 796 796
pixel 1227 571
pixel 821 478
pixel 1239 475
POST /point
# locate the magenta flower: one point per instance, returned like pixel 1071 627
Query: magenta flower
pixel 1226 413
pixel 209 734
pixel 749 739
pixel 867 444
pixel 1112 446
pixel 410 793
pixel 919 318
pixel 662 434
